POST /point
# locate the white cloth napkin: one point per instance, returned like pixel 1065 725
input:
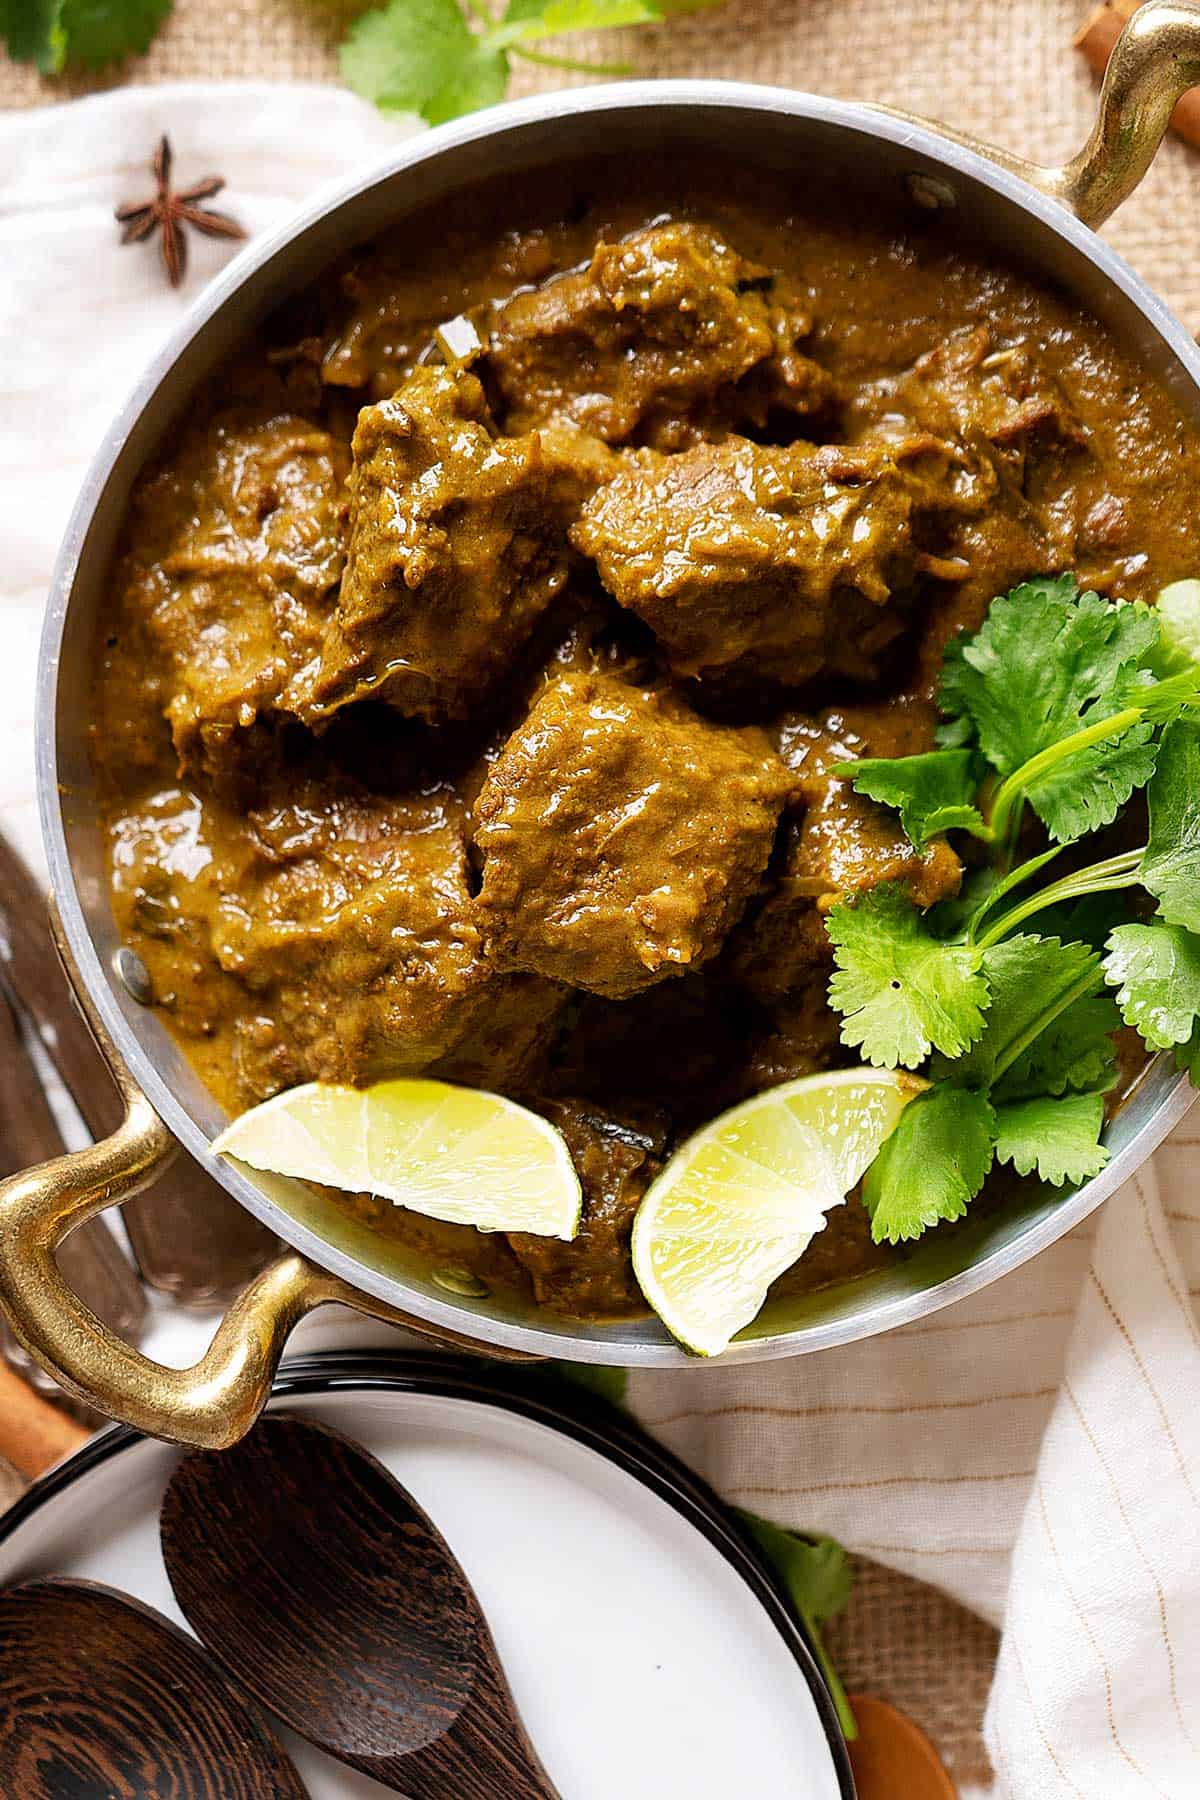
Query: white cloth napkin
pixel 1036 1450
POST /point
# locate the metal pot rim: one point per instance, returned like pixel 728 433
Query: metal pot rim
pixel 925 141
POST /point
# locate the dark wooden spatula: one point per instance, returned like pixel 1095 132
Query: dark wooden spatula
pixel 330 1596
pixel 99 1695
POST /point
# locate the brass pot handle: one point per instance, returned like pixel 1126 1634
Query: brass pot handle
pixel 1155 61
pixel 214 1403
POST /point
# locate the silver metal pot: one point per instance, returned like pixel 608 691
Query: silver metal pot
pixel 1041 216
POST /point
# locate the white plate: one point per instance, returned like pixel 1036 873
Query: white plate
pixel 648 1656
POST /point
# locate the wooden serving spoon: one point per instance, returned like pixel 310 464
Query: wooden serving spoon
pixel 100 1695
pixel 329 1595
pixel 892 1758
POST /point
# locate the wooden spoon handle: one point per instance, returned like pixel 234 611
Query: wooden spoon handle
pixel 33 1433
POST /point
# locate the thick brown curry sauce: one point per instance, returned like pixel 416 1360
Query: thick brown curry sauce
pixel 505 756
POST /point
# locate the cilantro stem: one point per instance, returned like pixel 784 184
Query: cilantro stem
pixel 1100 878
pixel 1011 791
pixel 568 62
pixel 1014 879
pixel 833 1680
pixel 1011 834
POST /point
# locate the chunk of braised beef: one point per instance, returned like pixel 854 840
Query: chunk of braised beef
pixel 983 395
pixel 666 335
pixel 621 835
pixel 343 922
pixel 617 1153
pixel 764 563
pixel 797 1035
pixel 239 552
pixel 457 546
pixel 1026 450
pixel 675 1040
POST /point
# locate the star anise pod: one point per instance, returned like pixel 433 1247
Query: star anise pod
pixel 170 212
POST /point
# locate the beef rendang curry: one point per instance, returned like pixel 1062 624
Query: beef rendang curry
pixel 476 718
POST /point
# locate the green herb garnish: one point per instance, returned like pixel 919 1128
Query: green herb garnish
pixel 1062 706
pixel 903 991
pixel 90 33
pixel 932 1165
pixel 439 58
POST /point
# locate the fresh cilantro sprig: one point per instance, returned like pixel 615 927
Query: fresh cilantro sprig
pixel 439 59
pixel 815 1572
pixel 1012 1096
pixel 1063 705
pixel 901 990
pixel 1060 694
pixel 90 33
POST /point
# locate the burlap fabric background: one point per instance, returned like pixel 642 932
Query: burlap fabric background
pixel 1001 68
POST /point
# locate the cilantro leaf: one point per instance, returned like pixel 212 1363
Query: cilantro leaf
pixel 1048 662
pixel 551 18
pixel 902 992
pixel 1177 610
pixel 1030 980
pixel 1058 1138
pixel 1086 789
pixel 954 734
pixel 1156 970
pixel 1075 1053
pixel 934 792
pixel 815 1573
pixel 1162 701
pixel 99 32
pixel 428 57
pixel 932 1166
pixel 481 79
pixel 33 31
pixel 1042 655
pixel 1170 866
pixel 421 56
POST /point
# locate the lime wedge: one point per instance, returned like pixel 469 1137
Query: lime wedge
pixel 743 1198
pixel 452 1153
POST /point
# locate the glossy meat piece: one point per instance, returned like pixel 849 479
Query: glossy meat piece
pixel 239 549
pixel 839 842
pixel 1004 401
pixel 621 835
pixel 759 563
pixel 1034 463
pixel 510 1038
pixel 457 545
pixel 1026 448
pixel 664 333
pixel 617 1154
pixel 342 919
